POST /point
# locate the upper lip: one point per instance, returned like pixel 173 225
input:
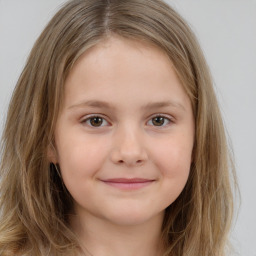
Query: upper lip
pixel 128 180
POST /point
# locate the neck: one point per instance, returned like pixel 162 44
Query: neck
pixel 103 238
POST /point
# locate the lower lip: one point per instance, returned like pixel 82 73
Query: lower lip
pixel 129 185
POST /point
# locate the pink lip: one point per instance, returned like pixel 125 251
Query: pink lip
pixel 128 184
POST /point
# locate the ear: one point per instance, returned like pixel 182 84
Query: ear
pixel 52 154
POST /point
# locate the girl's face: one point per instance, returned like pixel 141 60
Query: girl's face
pixel 125 134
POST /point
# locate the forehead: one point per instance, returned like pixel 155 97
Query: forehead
pixel 118 66
pixel 127 50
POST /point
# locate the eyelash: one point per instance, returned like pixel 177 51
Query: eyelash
pixel 166 118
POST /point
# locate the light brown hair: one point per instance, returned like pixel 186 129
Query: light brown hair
pixel 34 203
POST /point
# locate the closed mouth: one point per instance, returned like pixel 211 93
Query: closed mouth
pixel 128 184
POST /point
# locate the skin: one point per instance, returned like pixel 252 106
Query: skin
pixel 137 82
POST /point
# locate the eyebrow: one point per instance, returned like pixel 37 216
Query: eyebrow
pixel 148 106
pixel 162 104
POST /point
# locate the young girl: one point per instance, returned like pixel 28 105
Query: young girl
pixel 114 142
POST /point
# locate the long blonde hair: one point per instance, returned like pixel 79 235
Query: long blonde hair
pixel 34 203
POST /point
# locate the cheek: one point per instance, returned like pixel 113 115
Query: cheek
pixel 81 157
pixel 80 160
pixel 173 160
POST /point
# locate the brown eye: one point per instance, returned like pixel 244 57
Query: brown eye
pixel 159 121
pixel 96 121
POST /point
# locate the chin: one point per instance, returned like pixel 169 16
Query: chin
pixel 132 218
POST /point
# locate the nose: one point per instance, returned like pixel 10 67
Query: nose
pixel 129 148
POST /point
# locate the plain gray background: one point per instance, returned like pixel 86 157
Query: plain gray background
pixel 227 32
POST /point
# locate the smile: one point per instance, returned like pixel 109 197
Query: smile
pixel 128 184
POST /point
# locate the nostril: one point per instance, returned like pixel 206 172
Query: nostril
pixel 128 156
pixel 138 162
